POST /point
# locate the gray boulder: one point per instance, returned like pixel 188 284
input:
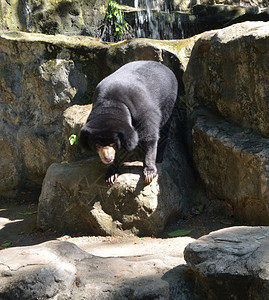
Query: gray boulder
pixel 228 73
pixel 226 94
pixel 39 272
pixel 231 263
pixel 75 199
pixel 149 269
pixel 234 166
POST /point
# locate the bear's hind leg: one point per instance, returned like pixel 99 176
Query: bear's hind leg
pixel 163 140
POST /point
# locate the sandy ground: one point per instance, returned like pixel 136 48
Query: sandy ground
pixel 18 228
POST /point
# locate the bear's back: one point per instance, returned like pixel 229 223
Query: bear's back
pixel 152 79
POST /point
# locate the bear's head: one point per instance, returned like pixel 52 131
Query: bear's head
pixel 107 142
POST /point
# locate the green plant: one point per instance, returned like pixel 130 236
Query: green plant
pixel 6 244
pixel 179 232
pixel 116 20
pixel 73 139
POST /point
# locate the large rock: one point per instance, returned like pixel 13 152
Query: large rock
pixel 61 270
pixel 75 199
pixel 228 73
pixel 234 166
pixel 226 95
pixel 53 17
pixel 231 263
pixel 42 76
pixel 49 271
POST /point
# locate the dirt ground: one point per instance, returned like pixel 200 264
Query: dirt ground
pixel 18 223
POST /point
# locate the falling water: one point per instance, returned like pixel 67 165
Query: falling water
pixel 28 15
pixel 154 20
pixel 146 23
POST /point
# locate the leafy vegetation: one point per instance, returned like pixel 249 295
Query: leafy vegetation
pixel 6 244
pixel 73 139
pixel 179 232
pixel 29 213
pixel 116 28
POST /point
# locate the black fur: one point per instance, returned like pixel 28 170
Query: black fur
pixel 130 106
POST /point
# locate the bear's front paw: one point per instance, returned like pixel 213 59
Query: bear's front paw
pixel 111 175
pixel 150 173
pixel 110 180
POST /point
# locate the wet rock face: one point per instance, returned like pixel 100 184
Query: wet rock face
pixel 231 262
pixel 176 4
pixel 226 94
pixel 242 3
pixel 54 17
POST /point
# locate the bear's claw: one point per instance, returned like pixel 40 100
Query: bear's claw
pixel 150 174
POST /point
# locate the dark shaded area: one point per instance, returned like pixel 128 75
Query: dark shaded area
pixel 166 25
pixel 18 221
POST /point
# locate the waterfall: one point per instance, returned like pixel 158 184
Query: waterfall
pixel 147 23
pixel 154 20
pixel 27 12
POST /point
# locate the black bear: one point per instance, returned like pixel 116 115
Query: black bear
pixel 131 106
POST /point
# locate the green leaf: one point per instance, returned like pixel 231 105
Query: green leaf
pixel 29 213
pixel 201 208
pixel 6 244
pixel 179 232
pixel 116 19
pixel 73 139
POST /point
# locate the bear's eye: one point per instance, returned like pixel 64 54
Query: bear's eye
pixel 111 145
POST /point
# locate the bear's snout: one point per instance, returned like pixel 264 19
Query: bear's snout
pixel 106 154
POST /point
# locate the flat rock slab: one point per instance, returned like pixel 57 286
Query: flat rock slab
pixel 231 263
pixel 129 269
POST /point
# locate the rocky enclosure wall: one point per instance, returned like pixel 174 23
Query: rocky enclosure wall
pixel 41 76
pixel 53 17
pixel 227 92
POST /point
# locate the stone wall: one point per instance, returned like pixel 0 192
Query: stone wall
pixel 227 80
pixel 41 76
pixel 52 17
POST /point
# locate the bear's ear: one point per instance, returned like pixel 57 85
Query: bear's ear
pixel 129 139
pixel 85 138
